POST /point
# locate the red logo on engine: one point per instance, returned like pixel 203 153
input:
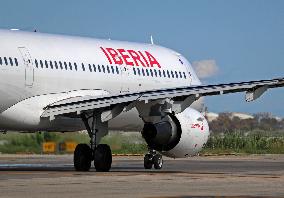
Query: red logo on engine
pixel 197 126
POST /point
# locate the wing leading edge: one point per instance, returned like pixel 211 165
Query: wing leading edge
pixel 183 95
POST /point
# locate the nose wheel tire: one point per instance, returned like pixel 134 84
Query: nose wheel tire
pixel 150 160
pixel 103 158
pixel 82 157
pixel 158 161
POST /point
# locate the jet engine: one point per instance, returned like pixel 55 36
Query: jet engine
pixel 178 136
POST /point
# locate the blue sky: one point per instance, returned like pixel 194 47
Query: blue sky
pixel 245 38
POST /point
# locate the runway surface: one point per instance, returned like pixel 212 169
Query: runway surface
pixel 54 176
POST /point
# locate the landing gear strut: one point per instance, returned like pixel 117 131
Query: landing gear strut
pixel 99 153
pixel 153 158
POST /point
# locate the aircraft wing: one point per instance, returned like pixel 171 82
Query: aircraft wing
pixel 184 95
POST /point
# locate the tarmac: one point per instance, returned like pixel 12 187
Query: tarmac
pixel 54 176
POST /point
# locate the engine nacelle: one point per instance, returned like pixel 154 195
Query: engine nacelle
pixel 164 135
pixel 178 136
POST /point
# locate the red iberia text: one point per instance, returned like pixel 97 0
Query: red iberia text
pixel 130 57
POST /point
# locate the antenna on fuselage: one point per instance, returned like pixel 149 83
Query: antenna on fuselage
pixel 152 40
pixel 25 29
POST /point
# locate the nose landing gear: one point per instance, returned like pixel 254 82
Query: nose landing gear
pixel 153 158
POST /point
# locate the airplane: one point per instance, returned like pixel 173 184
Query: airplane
pixel 62 83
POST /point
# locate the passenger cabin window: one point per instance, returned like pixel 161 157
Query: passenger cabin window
pixel 83 66
pixel 143 72
pixel 46 64
pixel 65 65
pixel 90 68
pixel 36 63
pixel 151 72
pixel 11 61
pixel 176 74
pixel 6 61
pixel 60 65
pixel 70 66
pixel 0 61
pixel 75 66
pixel 94 68
pixel 51 65
pixel 155 72
pixel 55 64
pixel 147 72
pixel 117 70
pixel 41 63
pixel 16 62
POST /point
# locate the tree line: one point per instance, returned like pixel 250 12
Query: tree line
pixel 261 121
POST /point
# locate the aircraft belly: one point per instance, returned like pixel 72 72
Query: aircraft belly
pixel 127 122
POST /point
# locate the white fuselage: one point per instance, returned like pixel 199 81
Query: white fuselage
pixel 39 69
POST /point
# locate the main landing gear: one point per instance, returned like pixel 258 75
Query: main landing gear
pixel 153 158
pixel 99 153
pixel 84 155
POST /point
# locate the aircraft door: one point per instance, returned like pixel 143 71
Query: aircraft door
pixel 124 79
pixel 29 68
pixel 188 67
